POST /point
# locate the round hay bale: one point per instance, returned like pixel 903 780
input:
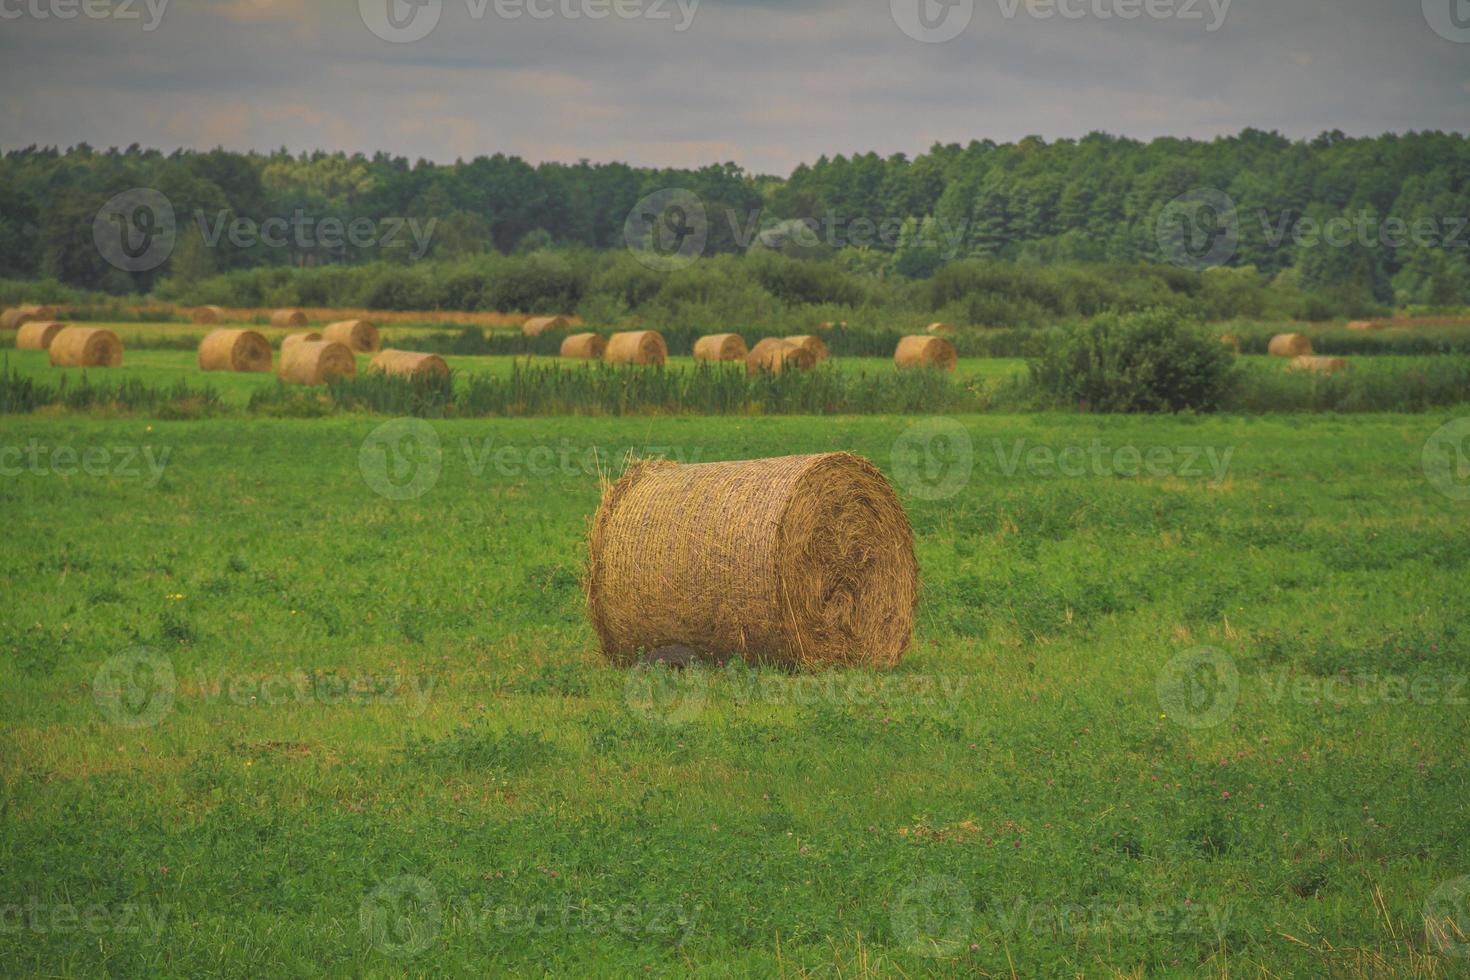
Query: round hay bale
pixel 234 350
pixel 288 318
pixel 360 336
pixel 803 561
pixel 636 347
pixel 39 311
pixel 296 338
pixel 409 364
pixel 1289 345
pixel 774 355
pixel 940 329
pixel 16 317
pixel 584 347
pixel 1362 325
pixel 85 347
pixel 207 315
pixel 1318 365
pixel 38 334
pixel 927 352
pixel 720 347
pixel 314 362
pixel 540 324
pixel 814 344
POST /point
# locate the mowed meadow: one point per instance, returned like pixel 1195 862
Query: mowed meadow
pixel 1187 696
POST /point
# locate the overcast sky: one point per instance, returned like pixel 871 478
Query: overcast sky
pixel 765 83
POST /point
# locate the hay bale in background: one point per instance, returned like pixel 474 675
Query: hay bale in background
pixel 584 346
pixel 409 364
pixel 940 329
pixel 1361 325
pixel 38 334
pixel 207 315
pixel 636 347
pixel 826 325
pixel 1289 345
pixel 291 340
pixel 928 352
pixel 85 347
pixel 16 317
pixel 314 362
pixel 234 350
pixel 720 347
pixel 360 336
pixel 818 349
pixel 38 310
pixel 1319 365
pixel 802 561
pixel 774 355
pixel 288 318
pixel 540 324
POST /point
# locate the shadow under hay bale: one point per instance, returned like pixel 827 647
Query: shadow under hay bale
pixel 926 352
pixel 804 561
pixel 235 350
pixel 720 347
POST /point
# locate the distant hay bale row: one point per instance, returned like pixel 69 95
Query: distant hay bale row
pixel 803 561
pixel 37 334
pixel 584 347
pixel 1289 345
pixel 235 350
pixel 315 362
pixel 359 336
pixel 409 364
pixel 1364 325
pixel 926 352
pixel 85 347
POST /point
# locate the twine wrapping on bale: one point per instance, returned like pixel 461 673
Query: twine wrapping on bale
pixel 291 340
pixel 815 345
pixel 1289 345
pixel 801 561
pixel 774 355
pixel 234 350
pixel 929 352
pixel 85 347
pixel 720 347
pixel 207 315
pixel 940 329
pixel 38 334
pixel 636 347
pixel 359 336
pixel 314 362
pixel 584 346
pixel 540 324
pixel 288 318
pixel 1366 325
pixel 16 317
pixel 1319 365
pixel 409 364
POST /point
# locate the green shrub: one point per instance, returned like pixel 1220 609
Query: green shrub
pixel 1155 361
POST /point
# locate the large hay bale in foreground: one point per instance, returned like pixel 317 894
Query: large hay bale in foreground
pixel 314 362
pixel 540 324
pixel 359 336
pixel 584 347
pixel 409 364
pixel 16 317
pixel 38 334
pixel 720 347
pixel 290 340
pixel 288 318
pixel 774 355
pixel 85 347
pixel 927 352
pixel 1318 365
pixel 1289 345
pixel 940 329
pixel 803 561
pixel 815 345
pixel 636 347
pixel 234 350
pixel 207 315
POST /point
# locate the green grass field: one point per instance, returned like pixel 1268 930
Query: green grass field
pixel 1187 696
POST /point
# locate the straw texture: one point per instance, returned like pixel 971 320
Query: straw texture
pixel 234 350
pixel 720 347
pixel 774 355
pixel 1289 345
pixel 314 362
pixel 85 347
pixel 359 336
pixel 207 315
pixel 288 318
pixel 584 346
pixel 38 334
pixel 815 345
pixel 541 324
pixel 929 352
pixel 17 317
pixel 636 347
pixel 409 364
pixel 803 561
